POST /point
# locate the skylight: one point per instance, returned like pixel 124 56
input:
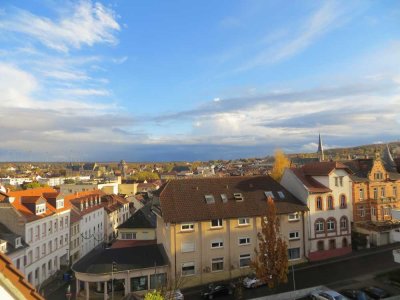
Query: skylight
pixel 209 199
pixel 269 194
pixel 281 195
pixel 224 198
pixel 238 196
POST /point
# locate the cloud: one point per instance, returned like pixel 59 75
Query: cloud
pixel 281 47
pixel 86 23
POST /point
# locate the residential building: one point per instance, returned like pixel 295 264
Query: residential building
pixel 14 246
pixel 325 187
pixel 41 218
pixel 87 231
pixel 116 213
pixel 376 188
pixel 209 225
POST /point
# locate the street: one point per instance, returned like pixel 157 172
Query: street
pixel 308 276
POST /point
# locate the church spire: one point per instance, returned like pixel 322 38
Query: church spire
pixel 320 150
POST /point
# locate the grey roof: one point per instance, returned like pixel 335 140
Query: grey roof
pixel 9 236
pixel 129 258
pixel 143 218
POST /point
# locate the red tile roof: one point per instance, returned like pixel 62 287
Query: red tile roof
pixel 323 168
pixel 18 279
pixel 183 200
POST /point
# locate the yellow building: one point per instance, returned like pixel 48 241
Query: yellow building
pixel 209 226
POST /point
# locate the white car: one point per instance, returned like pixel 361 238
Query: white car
pixel 251 281
pixel 327 295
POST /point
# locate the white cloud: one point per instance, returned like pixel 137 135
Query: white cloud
pixel 88 23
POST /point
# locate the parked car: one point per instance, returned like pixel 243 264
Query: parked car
pixel 376 293
pixel 174 295
pixel 217 289
pixel 355 294
pixel 327 295
pixel 251 281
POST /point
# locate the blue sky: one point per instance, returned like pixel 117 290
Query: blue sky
pixel 195 80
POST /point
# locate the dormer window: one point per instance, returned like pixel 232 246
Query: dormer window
pixel 18 242
pixel 224 198
pixel 40 208
pixel 60 203
pixel 238 196
pixel 209 199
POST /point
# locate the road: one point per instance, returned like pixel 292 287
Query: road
pixel 309 276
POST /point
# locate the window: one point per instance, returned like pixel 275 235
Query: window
pixel 243 221
pixel 330 225
pixel 340 180
pixel 293 253
pixel 281 195
pixel 336 181
pixel 319 226
pixel 386 211
pixel 18 242
pixel 343 223
pixel 320 246
pixel 238 196
pixel 244 260
pixel 40 208
pixel 361 193
pixel 139 283
pixel 217 244
pixel 224 198
pixel 187 247
pixel 187 227
pixel 362 211
pixel 373 211
pixel 188 269
pixel 343 203
pixel 332 244
pixel 319 203
pixel 375 193
pixel 344 243
pixel 217 264
pixel 157 281
pixel 269 194
pixel 59 203
pixel 216 223
pixel 383 192
pixel 330 202
pixel 209 199
pixel 394 192
pixel 294 216
pixel 294 235
pixel 378 176
pixel 244 241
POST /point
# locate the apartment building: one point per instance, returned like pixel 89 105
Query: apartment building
pixel 325 187
pixel 87 231
pixel 209 226
pixel 376 186
pixel 42 219
pixel 116 212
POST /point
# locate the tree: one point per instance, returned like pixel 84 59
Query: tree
pixel 281 163
pixel 154 295
pixel 271 262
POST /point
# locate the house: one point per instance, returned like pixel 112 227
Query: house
pixel 116 212
pixel 41 218
pixel 87 231
pixel 209 225
pixel 376 186
pixel 139 228
pixel 325 187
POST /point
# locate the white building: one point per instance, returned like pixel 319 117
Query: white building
pixel 325 187
pixel 116 213
pixel 87 231
pixel 40 217
pixel 14 181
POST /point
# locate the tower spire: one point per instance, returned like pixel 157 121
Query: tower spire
pixel 320 150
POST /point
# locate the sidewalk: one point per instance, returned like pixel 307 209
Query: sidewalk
pixel 52 284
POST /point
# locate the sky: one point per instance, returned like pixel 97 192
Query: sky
pixel 195 80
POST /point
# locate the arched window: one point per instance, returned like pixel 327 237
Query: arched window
pixel 330 202
pixel 320 246
pixel 343 202
pixel 344 243
pixel 331 224
pixel 332 244
pixel 318 203
pixel 343 223
pixel 319 225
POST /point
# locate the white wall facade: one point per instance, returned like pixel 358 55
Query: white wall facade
pixel 91 230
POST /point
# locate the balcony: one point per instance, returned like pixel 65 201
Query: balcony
pixel 381 200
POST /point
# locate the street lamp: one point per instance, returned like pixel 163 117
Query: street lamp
pixel 113 269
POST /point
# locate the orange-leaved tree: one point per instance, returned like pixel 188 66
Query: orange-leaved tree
pixel 281 163
pixel 271 260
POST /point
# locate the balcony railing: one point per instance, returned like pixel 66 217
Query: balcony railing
pixel 385 200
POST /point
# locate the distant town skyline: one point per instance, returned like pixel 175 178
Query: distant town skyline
pixel 169 81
